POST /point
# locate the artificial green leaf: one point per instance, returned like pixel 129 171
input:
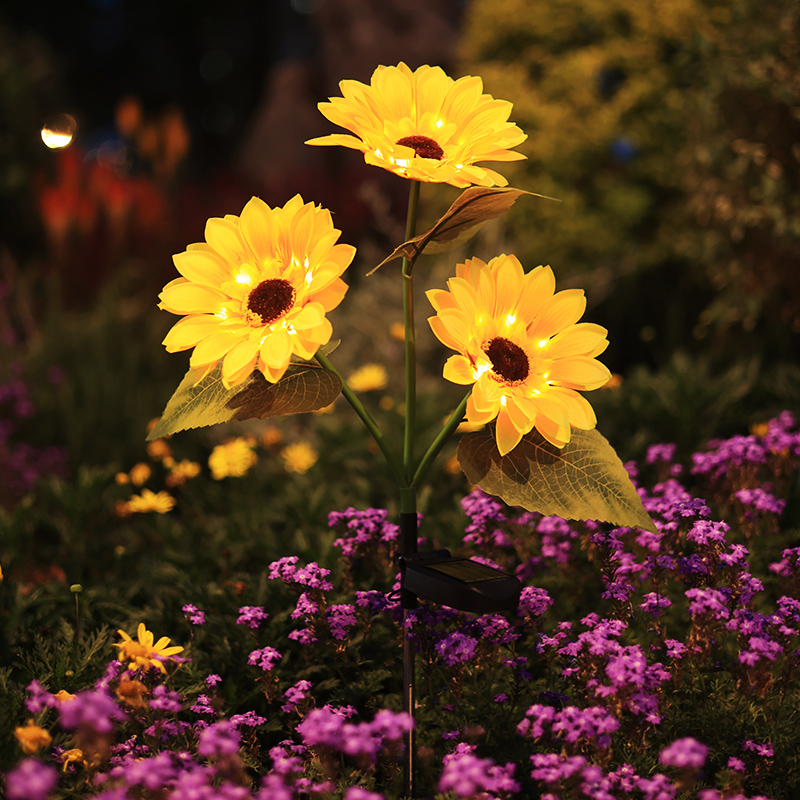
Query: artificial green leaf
pixel 583 480
pixel 473 207
pixel 304 387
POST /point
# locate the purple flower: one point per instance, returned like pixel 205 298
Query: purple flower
pixel 655 603
pixel 357 793
pixel 212 680
pixel 30 780
pixel 660 452
pixel 306 606
pixel 295 695
pixel 764 750
pixel 533 601
pixel 456 648
pixel 362 530
pixel 686 753
pixel 266 658
pixel 340 619
pixel 39 698
pixel 466 775
pixel 219 739
pixel 252 616
pixel 165 700
pixel 195 616
pixel 92 710
pixel 760 500
pixel 249 720
pixel 707 602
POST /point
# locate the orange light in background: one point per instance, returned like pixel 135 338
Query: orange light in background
pixel 58 131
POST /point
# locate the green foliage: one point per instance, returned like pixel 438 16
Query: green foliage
pixel 195 404
pixel 583 480
pixel 668 131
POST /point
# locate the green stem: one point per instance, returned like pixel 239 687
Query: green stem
pixel 439 442
pixel 410 339
pixel 366 418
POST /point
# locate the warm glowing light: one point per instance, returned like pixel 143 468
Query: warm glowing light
pixel 481 369
pixel 244 278
pixel 222 313
pixel 58 131
pixel 439 123
pixel 542 342
pixel 511 319
pixel 503 400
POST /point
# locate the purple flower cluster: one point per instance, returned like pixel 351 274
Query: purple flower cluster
pixel 466 775
pixel 328 727
pixel 252 616
pixel 193 614
pixel 362 532
pixel 265 658
pixel 21 464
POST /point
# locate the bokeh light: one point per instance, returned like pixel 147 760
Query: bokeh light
pixel 58 131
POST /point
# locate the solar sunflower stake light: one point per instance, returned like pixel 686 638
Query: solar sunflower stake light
pixel 253 299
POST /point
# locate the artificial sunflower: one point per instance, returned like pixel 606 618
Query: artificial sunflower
pixel 257 290
pixel 425 126
pixel 521 345
pixel 144 653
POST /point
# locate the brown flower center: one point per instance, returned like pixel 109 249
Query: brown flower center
pixel 509 360
pixel 423 146
pixel 271 299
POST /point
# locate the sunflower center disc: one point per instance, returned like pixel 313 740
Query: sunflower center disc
pixel 423 146
pixel 509 360
pixel 271 299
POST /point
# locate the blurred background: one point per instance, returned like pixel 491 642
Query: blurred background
pixel 668 129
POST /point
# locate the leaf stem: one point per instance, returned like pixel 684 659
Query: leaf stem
pixel 439 442
pixel 366 418
pixel 410 340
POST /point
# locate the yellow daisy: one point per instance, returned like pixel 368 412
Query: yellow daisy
pixel 425 126
pixel 231 459
pixel 521 345
pixel 182 471
pixel 161 502
pixel 32 738
pixel 144 653
pixel 368 378
pixel 257 290
pixel 299 457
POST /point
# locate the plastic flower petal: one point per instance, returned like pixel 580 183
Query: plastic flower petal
pixel 256 292
pixel 425 126
pixel 145 653
pixel 520 345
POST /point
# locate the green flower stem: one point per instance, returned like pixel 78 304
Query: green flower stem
pixel 366 418
pixel 439 442
pixel 410 339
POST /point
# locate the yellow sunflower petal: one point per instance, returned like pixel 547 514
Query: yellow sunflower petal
pixel 240 357
pixel 277 348
pixel 563 309
pixel 202 266
pixel 226 239
pixel 506 433
pixel 458 369
pixel 580 339
pixel 189 331
pixel 579 372
pixel 213 348
pixel 581 414
pixel 554 433
pixel 190 298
